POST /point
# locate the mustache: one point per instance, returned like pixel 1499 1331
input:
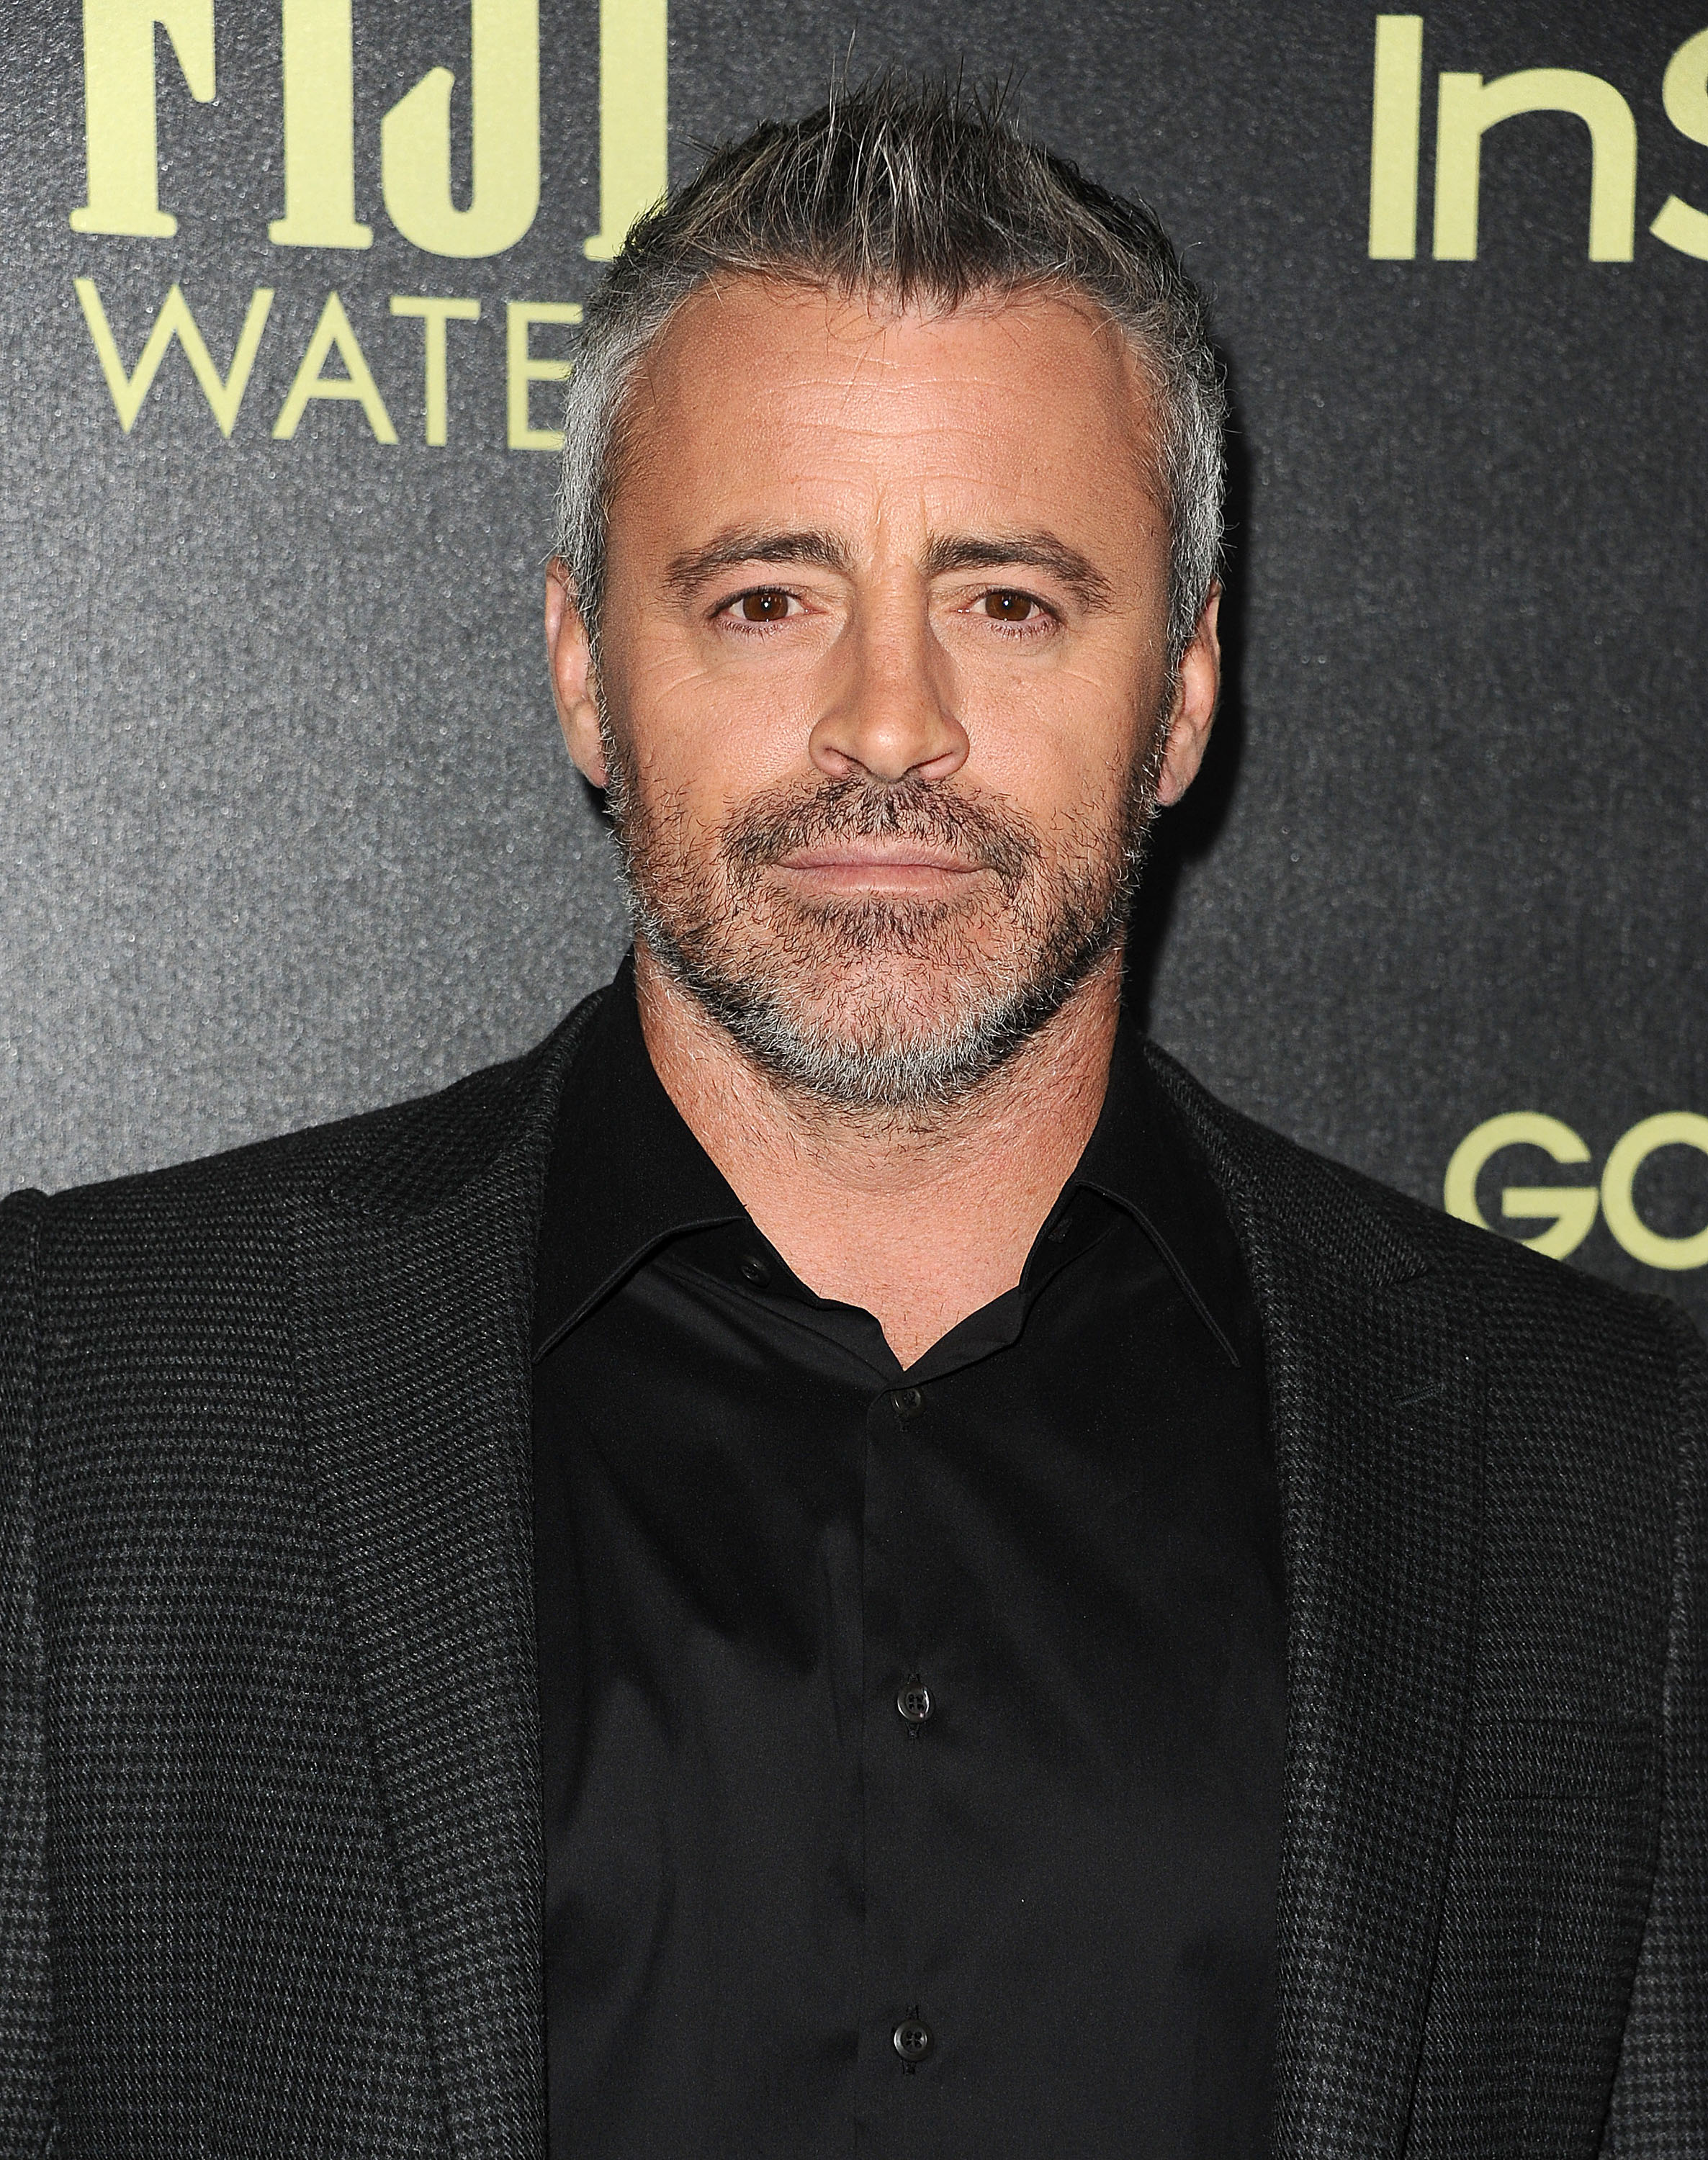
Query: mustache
pixel 782 820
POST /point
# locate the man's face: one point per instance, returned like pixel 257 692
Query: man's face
pixel 885 705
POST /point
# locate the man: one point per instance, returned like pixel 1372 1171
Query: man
pixel 839 1559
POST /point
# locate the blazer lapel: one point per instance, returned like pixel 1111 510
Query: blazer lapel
pixel 1376 1405
pixel 412 1311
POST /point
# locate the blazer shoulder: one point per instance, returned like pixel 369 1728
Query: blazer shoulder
pixel 1539 1308
pixel 400 1159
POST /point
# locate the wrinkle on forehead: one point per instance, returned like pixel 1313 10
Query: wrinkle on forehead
pixel 862 345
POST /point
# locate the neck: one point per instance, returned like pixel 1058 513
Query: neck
pixel 921 1221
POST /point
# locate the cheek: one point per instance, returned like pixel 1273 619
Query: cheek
pixel 712 735
pixel 695 767
pixel 1061 751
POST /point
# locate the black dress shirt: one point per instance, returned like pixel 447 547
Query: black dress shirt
pixel 912 1741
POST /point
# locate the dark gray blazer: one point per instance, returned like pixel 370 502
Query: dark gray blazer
pixel 269 1837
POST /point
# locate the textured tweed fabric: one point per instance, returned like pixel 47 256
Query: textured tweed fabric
pixel 269 1847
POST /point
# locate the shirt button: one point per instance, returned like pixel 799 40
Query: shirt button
pixel 911 2040
pixel 755 1271
pixel 913 1700
pixel 907 1403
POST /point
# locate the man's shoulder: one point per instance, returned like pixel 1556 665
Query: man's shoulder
pixel 226 1216
pixel 1532 1311
pixel 397 1159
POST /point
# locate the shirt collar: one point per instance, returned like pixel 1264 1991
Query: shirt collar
pixel 627 1176
pixel 1142 1157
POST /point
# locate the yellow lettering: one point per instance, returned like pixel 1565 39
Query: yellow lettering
pixel 319 129
pixel 334 330
pixel 1469 107
pixel 1671 1129
pixel 118 104
pixel 1393 131
pixel 415 140
pixel 1569 1209
pixel 1684 92
pixel 634 113
pixel 522 371
pixel 224 393
pixel 434 314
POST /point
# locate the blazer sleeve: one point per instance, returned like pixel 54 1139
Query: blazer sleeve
pixel 1660 2095
pixel 26 2091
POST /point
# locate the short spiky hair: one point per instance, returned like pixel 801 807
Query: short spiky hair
pixel 925 196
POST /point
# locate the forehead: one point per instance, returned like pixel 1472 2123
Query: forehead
pixel 760 387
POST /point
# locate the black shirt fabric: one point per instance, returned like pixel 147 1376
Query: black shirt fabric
pixel 911 1742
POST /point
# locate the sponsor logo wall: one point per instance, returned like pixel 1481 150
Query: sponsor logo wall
pixel 292 289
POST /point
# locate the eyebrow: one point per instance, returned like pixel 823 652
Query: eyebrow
pixel 944 555
pixel 689 572
pixel 1037 551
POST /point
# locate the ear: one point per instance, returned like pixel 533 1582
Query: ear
pixel 571 663
pixel 1197 685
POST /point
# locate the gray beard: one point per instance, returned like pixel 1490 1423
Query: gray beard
pixel 878 1003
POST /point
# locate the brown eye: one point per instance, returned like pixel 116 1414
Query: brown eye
pixel 1007 607
pixel 764 607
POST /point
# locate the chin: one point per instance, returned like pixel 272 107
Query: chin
pixel 896 1030
pixel 915 968
pixel 878 1002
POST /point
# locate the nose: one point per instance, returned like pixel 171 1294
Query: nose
pixel 891 713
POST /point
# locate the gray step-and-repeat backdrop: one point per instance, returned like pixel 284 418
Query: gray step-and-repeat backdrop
pixel 290 291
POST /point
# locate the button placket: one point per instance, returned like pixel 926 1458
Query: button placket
pixel 901 1477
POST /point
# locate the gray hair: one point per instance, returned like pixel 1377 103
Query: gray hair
pixel 928 196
